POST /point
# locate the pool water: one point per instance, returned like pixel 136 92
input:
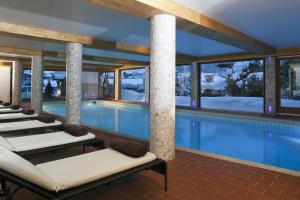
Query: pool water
pixel 271 143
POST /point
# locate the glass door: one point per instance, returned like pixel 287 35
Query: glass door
pixel 106 85
pixel 289 85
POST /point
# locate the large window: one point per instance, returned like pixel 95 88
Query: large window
pixel 237 86
pixel 289 76
pixel 133 85
pixel 54 84
pixel 107 85
pixel 183 85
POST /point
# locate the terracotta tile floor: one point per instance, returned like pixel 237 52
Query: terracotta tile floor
pixel 191 177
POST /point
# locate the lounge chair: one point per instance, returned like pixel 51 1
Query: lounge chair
pixel 9 110
pixel 65 178
pixel 2 106
pixel 12 117
pixel 32 144
pixel 25 126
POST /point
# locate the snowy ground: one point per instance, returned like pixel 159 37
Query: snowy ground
pixel 290 103
pixel 246 104
pixel 131 95
pixel 183 101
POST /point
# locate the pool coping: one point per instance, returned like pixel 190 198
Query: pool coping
pixel 207 154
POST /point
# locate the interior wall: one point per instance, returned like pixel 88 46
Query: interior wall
pixel 90 85
pixel 5 83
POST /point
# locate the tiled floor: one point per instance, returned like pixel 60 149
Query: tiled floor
pixel 191 177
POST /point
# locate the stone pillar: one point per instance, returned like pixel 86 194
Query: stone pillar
pixel 117 85
pixel 195 85
pixel 162 87
pixel 270 88
pixel 73 87
pixel 147 84
pixel 17 83
pixel 36 84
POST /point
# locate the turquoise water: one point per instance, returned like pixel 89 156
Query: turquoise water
pixel 276 144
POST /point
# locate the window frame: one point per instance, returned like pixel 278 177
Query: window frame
pixel 120 85
pixel 99 85
pixel 280 109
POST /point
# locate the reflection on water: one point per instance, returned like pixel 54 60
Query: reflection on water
pixel 276 144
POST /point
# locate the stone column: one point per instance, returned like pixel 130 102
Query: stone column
pixel 162 87
pixel 36 84
pixel 17 83
pixel 147 84
pixel 117 84
pixel 270 88
pixel 195 85
pixel 73 87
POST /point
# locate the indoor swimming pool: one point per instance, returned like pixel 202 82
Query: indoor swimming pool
pixel 266 142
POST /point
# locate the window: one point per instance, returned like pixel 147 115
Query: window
pixel 237 86
pixel 107 85
pixel 289 75
pixel 54 84
pixel 133 85
pixel 183 85
pixel 26 84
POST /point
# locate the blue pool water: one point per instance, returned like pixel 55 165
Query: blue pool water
pixel 276 144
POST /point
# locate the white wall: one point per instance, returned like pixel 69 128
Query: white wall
pixel 5 73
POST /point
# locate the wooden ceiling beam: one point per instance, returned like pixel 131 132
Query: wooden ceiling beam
pixel 61 65
pixel 5 63
pixel 62 37
pixel 97 58
pixel 230 57
pixel 19 51
pixel 188 20
pixel 288 51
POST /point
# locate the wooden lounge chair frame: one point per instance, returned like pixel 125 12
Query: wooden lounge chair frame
pixel 12 111
pixel 95 142
pixel 17 119
pixel 157 165
pixel 54 127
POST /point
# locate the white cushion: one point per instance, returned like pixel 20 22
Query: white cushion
pixel 16 116
pixel 21 168
pixel 6 110
pixel 12 126
pixel 85 168
pixel 31 142
pixel 4 143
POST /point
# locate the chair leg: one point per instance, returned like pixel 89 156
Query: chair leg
pixel 166 178
pixel 2 187
pixel 7 194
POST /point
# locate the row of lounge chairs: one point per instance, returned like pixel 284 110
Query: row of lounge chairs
pixel 21 135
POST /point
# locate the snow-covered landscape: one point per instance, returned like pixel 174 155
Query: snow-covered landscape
pixel 133 85
pixel 234 86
